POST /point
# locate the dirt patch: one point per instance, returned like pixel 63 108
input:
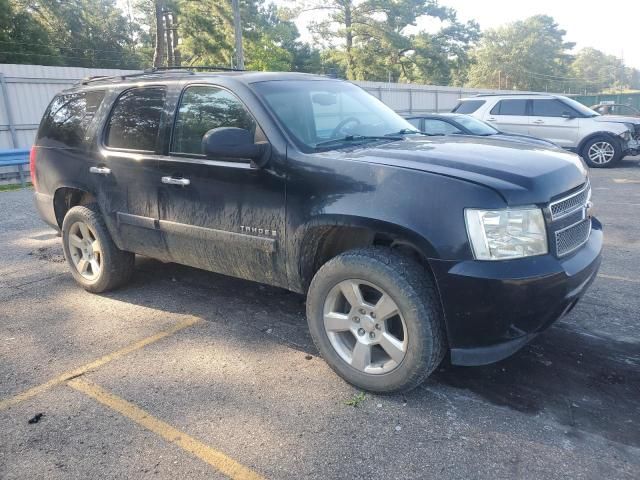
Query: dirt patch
pixel 49 254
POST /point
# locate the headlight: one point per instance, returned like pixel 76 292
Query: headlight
pixel 508 233
pixel 626 136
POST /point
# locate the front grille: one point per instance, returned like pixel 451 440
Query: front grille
pixel 570 238
pixel 571 203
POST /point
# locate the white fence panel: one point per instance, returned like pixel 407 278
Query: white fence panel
pixel 30 88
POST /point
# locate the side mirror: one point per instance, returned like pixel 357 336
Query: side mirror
pixel 234 143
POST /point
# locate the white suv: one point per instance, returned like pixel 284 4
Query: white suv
pixel 601 140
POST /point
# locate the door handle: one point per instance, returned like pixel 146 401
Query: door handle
pixel 538 122
pixel 100 170
pixel 491 119
pixel 176 181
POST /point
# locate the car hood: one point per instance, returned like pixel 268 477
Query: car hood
pixel 617 119
pixel 517 137
pixel 523 174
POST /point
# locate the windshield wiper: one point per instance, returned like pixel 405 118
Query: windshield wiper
pixel 354 138
pixel 404 131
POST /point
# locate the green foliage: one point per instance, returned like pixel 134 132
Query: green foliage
pixel 522 55
pixel 356 400
pixel 85 33
pixel 371 39
pixel 357 39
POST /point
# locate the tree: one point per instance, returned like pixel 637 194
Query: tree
pixel 594 70
pixel 370 39
pixel 524 55
pixel 85 33
pixel 23 39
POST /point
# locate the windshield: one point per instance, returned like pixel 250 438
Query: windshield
pixel 475 126
pixel 316 112
pixel 580 108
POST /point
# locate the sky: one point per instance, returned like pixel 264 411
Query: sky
pixel 612 26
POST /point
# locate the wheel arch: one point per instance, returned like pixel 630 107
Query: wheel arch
pixel 593 136
pixel 67 197
pixel 331 235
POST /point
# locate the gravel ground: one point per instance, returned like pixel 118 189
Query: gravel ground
pixel 245 380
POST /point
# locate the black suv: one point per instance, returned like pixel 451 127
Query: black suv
pixel 407 246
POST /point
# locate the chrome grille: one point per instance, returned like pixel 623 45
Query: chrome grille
pixel 567 205
pixel 572 237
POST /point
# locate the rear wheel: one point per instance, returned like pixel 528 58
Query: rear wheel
pixel 95 261
pixel 602 152
pixel 375 317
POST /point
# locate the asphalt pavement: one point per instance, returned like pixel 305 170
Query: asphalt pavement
pixel 189 374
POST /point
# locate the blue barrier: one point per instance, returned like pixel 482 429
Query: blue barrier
pixel 17 157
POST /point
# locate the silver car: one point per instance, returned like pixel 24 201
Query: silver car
pixel 601 140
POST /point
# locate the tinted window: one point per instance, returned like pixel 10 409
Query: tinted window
pixel 510 107
pixel 135 119
pixel 415 122
pixel 475 126
pixel 468 106
pixel 438 127
pixel 69 116
pixel 203 108
pixel 550 108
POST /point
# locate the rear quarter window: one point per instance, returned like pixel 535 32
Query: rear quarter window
pixel 468 106
pixel 68 117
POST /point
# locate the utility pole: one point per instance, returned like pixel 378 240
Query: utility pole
pixel 238 33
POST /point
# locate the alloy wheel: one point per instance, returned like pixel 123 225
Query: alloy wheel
pixel 85 250
pixel 365 326
pixel 601 153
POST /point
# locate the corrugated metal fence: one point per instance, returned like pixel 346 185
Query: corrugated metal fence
pixel 26 92
pixel 28 89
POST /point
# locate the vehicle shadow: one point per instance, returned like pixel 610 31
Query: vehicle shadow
pixel 587 383
pixel 584 382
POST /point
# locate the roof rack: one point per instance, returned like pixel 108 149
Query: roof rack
pixel 516 94
pixel 212 68
pixel 157 71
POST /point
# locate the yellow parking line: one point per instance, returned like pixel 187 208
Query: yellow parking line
pixel 615 277
pixel 213 457
pixel 32 392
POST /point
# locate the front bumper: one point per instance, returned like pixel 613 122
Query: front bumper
pixel 632 147
pixel 493 308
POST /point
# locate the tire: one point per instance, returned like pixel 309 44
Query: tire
pixel 418 326
pixel 101 266
pixel 602 152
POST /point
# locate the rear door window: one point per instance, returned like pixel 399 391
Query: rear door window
pixel 468 106
pixel 415 122
pixel 515 107
pixel 439 127
pixel 135 119
pixel 69 116
pixel 550 108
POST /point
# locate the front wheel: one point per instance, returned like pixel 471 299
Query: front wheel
pixel 375 317
pixel 602 152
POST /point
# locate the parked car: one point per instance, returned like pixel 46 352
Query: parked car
pixel 460 124
pixel 601 140
pixel 407 246
pixel 616 109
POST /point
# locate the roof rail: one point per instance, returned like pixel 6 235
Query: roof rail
pixel 212 68
pixel 510 94
pixel 157 71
